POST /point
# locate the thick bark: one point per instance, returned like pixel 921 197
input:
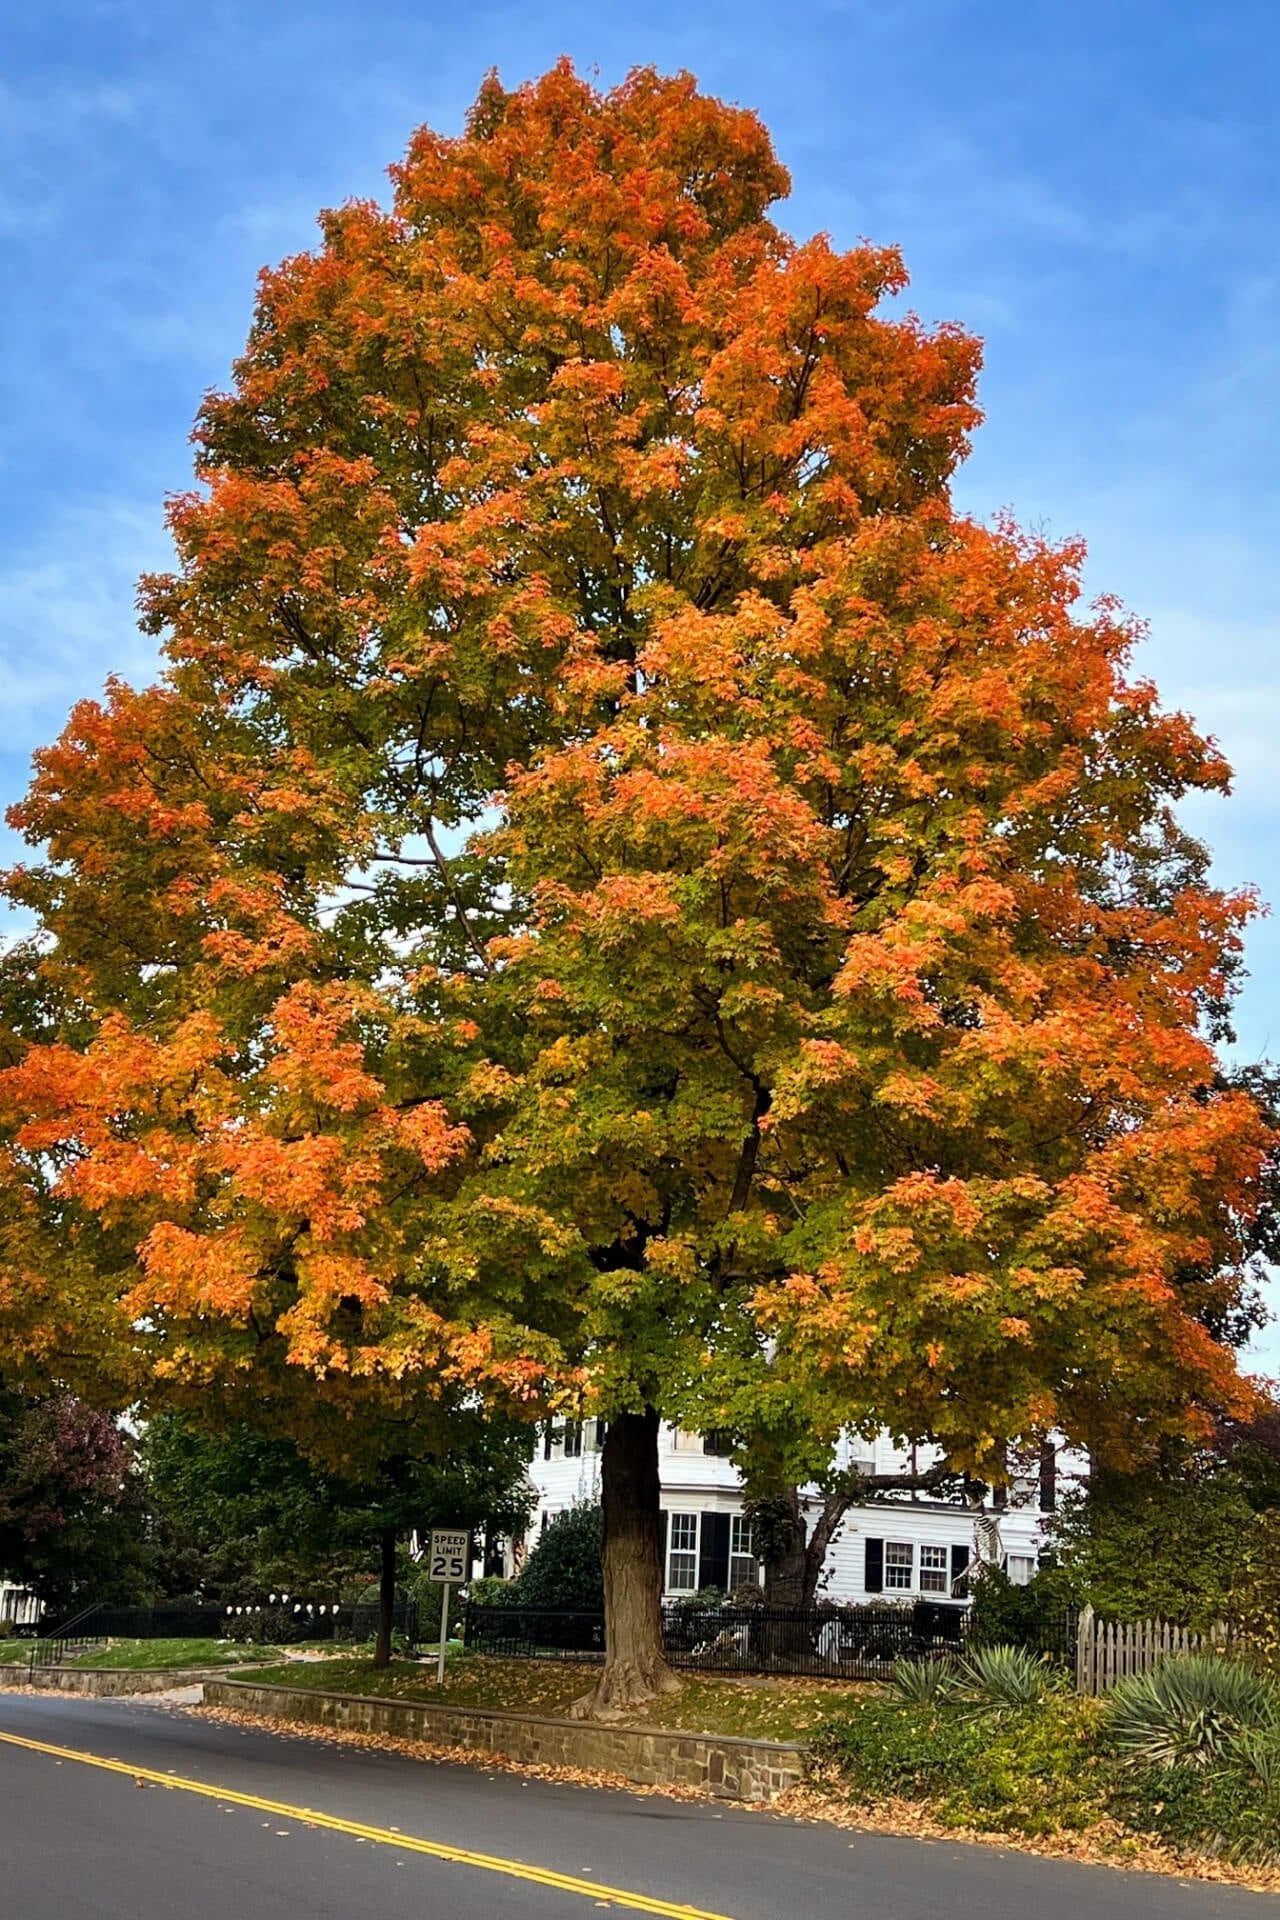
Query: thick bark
pixel 791 1570
pixel 634 1668
pixel 386 1598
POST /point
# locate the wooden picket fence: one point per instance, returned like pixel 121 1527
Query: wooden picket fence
pixel 1107 1650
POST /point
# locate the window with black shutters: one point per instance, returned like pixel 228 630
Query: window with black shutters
pixel 572 1439
pixel 718 1443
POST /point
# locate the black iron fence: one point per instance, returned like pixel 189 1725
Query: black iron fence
pixel 288 1622
pixel 534 1633
pixel 277 1622
pixel 106 1621
pixel 851 1643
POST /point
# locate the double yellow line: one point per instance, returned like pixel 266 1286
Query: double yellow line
pixel 384 1836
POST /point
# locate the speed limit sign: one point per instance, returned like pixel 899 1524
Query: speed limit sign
pixel 449 1557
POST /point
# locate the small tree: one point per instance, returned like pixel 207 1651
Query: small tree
pixel 72 1512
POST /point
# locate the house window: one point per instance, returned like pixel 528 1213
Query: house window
pixel 1020 1568
pixel 718 1443
pixel 743 1570
pixel 572 1439
pixel 934 1570
pixel 899 1565
pixel 685 1442
pixel 682 1559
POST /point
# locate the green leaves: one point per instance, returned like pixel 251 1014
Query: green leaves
pixel 1191 1711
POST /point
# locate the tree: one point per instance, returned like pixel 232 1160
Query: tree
pixel 624 900
pixel 72 1513
pixel 238 1511
pixel 1171 1546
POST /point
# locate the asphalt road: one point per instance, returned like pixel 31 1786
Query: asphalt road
pixel 80 1841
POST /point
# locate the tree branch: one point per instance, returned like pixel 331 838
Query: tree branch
pixel 442 867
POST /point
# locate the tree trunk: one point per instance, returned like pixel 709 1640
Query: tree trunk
pixel 386 1598
pixel 635 1668
pixel 793 1569
pixel 786 1564
pixel 791 1576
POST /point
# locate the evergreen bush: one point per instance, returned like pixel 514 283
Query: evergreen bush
pixel 563 1569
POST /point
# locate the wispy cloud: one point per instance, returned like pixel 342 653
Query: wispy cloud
pixel 66 613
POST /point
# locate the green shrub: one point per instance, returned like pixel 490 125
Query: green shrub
pixel 563 1570
pixel 1206 1782
pixel 1031 1770
pixel 1037 1616
pixel 1190 1711
pixel 1159 1547
pixel 1227 1811
pixel 261 1626
pixel 923 1681
pixel 427 1595
pixel 490 1591
pixel 994 1677
pixel 1257 1751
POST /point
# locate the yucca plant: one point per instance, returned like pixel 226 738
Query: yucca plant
pixel 925 1682
pixel 1191 1711
pixel 1258 1750
pixel 1005 1677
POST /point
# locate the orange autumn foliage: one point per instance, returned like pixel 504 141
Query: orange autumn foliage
pixel 623 895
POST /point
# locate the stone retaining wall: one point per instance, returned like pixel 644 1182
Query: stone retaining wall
pixel 105 1682
pixel 733 1769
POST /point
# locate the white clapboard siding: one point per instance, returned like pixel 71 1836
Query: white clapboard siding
pixel 1107 1650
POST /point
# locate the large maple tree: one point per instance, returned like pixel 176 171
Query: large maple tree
pixel 624 898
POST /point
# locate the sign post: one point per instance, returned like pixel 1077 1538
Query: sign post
pixel 447 1562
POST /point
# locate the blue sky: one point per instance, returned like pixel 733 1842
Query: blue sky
pixel 1093 187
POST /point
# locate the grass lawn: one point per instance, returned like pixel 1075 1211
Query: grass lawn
pixel 171 1653
pixel 763 1707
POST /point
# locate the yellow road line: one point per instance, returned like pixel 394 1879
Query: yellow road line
pixel 385 1836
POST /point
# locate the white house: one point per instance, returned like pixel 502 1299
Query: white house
pixel 906 1545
